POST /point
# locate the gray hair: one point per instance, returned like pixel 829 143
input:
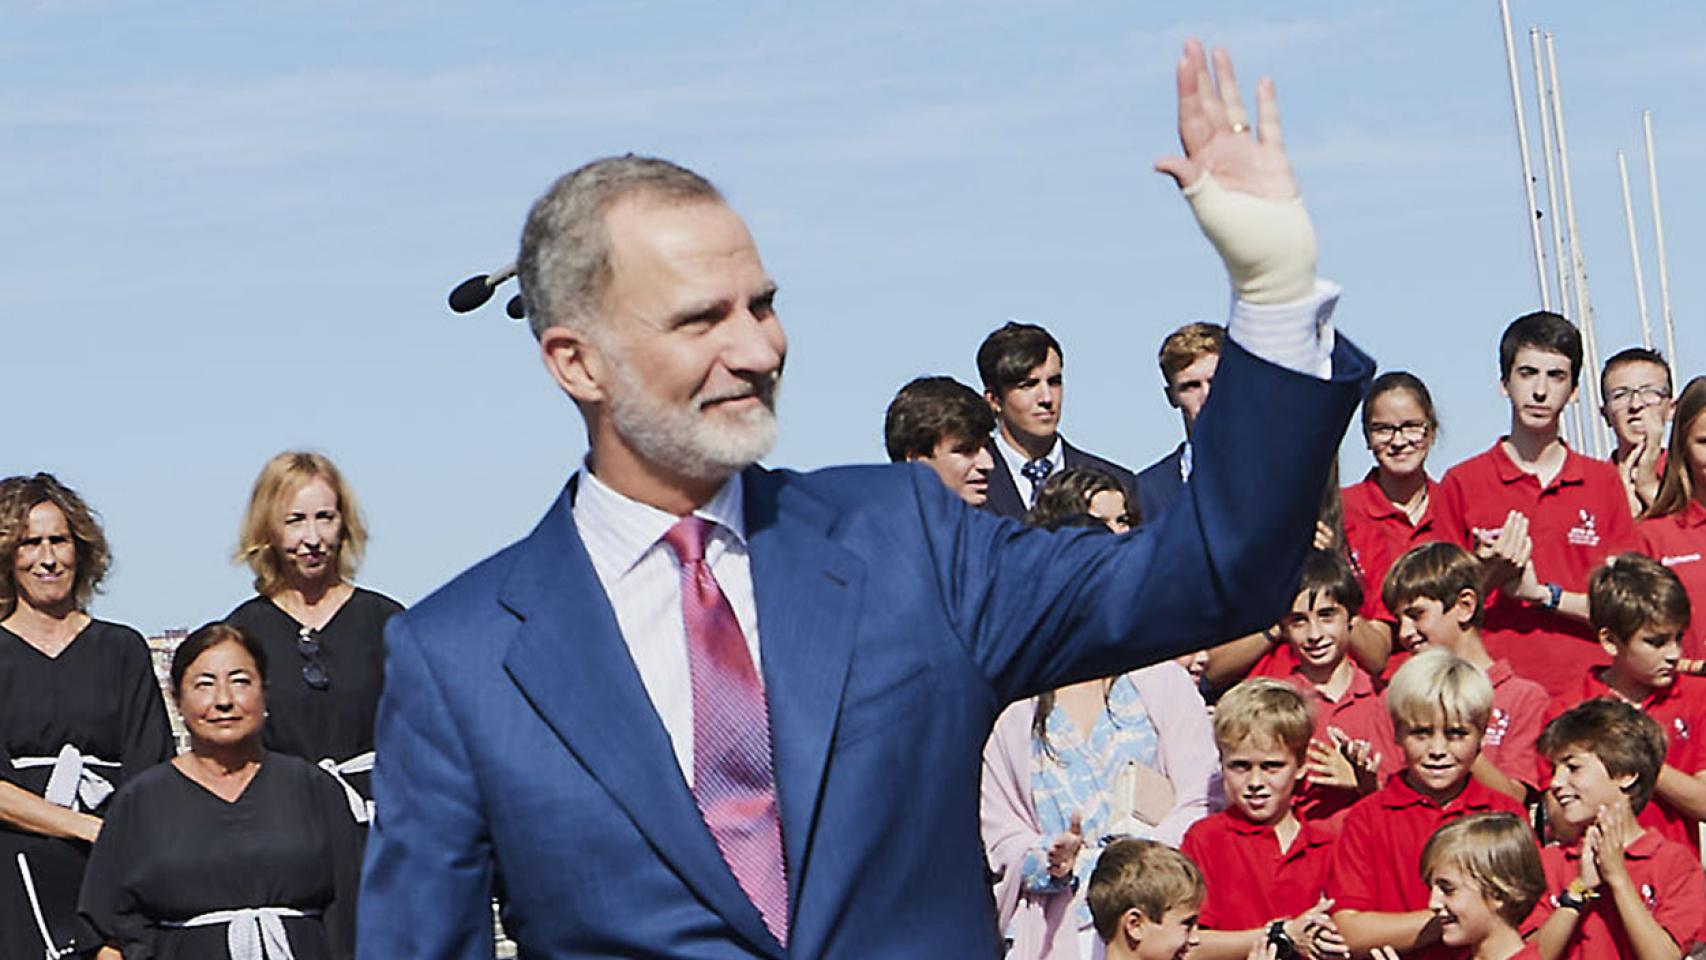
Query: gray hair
pixel 565 249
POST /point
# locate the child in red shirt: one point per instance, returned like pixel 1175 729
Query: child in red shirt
pixel 1391 510
pixel 1673 530
pixel 1530 490
pixel 1347 709
pixel 1435 591
pixel 1484 877
pixel 1640 610
pixel 1263 867
pixel 1618 889
pixel 1440 705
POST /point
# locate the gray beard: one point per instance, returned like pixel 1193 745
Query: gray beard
pixel 684 440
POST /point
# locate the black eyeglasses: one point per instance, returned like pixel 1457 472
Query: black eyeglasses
pixel 314 666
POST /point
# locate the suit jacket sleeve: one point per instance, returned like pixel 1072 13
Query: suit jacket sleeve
pixel 426 886
pixel 1037 610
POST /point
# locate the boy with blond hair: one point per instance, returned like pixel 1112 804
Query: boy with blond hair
pixel 1640 611
pixel 1434 592
pixel 1440 705
pixel 1617 889
pixel 1265 869
pixel 1144 897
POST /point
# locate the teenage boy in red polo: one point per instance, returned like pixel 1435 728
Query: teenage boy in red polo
pixel 1530 489
pixel 1640 610
pixel 1440 705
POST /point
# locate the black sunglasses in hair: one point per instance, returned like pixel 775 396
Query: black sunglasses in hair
pixel 314 666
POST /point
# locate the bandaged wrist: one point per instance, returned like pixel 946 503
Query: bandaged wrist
pixel 1268 246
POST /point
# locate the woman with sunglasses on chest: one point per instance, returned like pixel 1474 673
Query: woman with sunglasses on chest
pixel 303 537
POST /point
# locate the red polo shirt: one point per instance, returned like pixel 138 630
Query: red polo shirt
pixel 1680 710
pixel 1519 714
pixel 1575 521
pixel 1668 876
pixel 1377 861
pixel 1361 714
pixel 1249 879
pixel 1679 542
pixel 1378 531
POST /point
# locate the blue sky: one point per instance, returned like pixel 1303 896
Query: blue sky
pixel 230 228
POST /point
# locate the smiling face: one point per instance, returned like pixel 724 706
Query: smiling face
pixel 678 374
pixel 45 565
pixel 1260 775
pixel 1425 622
pixel 1581 786
pixel 1029 411
pixel 1318 628
pixel 1399 433
pixel 1466 914
pixel 963 465
pixel 1637 402
pixel 1170 938
pixel 1538 388
pixel 1438 753
pixel 308 533
pixel 221 696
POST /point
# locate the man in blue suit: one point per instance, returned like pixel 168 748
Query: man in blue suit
pixel 707 709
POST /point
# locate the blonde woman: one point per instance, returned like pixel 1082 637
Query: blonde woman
pixel 303 537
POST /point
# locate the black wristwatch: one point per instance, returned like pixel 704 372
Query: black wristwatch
pixel 1281 941
pixel 1569 899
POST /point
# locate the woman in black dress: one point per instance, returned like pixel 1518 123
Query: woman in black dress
pixel 80 713
pixel 228 852
pixel 303 537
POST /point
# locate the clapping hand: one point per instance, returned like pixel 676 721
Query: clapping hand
pixel 1608 837
pixel 1506 553
pixel 1063 852
pixel 1316 935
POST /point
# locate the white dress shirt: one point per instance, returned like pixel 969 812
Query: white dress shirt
pixel 1016 460
pixel 642 578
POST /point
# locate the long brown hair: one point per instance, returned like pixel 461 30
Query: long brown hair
pixel 1677 486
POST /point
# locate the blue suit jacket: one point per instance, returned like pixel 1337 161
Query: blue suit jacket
pixel 518 752
pixel 1004 499
pixel 1158 485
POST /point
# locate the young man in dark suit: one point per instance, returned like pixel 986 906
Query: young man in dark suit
pixel 1020 365
pixel 1189 357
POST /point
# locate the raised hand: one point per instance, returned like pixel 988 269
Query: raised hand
pixel 1240 186
pixel 1326 766
pixel 1215 132
pixel 1610 834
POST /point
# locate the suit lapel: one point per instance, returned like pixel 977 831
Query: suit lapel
pixel 808 591
pixel 1004 499
pixel 572 665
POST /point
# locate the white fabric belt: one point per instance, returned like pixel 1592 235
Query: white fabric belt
pixel 360 807
pixel 72 780
pixel 251 933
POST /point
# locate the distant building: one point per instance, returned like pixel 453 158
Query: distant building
pixel 160 650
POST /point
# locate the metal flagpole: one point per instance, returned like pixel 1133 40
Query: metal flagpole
pixel 1522 147
pixel 1578 260
pixel 1635 254
pixel 1552 213
pixel 1659 235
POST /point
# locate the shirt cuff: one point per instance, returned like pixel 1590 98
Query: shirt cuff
pixel 1296 335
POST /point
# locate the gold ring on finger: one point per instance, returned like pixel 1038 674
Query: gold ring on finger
pixel 1240 127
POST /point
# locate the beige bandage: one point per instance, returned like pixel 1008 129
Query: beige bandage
pixel 1268 246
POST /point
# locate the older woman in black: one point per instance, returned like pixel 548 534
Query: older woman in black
pixel 228 852
pixel 303 536
pixel 80 713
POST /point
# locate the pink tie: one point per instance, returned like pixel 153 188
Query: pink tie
pixel 733 782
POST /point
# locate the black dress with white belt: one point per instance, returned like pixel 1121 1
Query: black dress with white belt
pixel 72 727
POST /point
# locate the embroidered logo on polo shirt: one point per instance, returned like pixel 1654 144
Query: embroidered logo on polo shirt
pixel 1649 895
pixel 1586 532
pixel 1681 727
pixel 1497 728
pixel 1680 558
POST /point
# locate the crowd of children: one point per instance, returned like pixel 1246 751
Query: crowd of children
pixel 1480 729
